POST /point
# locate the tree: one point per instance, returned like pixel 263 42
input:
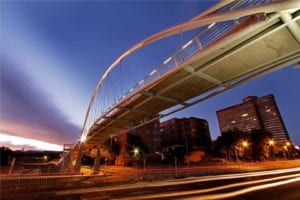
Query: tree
pixel 136 149
pixel 230 141
pixel 174 152
pixel 259 139
pixel 236 144
pixel 216 147
pixel 105 154
pixel 112 145
pixel 136 142
pixel 5 154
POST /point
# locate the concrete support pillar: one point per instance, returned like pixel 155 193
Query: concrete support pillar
pixel 97 161
pixel 66 164
pixel 78 160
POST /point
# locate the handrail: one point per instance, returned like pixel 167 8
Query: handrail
pixel 210 20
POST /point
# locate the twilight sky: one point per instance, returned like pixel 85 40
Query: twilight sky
pixel 53 53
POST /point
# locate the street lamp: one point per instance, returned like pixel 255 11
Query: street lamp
pixel 271 145
pixel 286 147
pixel 245 144
pixel 135 151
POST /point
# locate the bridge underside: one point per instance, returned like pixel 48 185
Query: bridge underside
pixel 251 49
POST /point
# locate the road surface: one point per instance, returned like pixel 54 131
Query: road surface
pixel 273 184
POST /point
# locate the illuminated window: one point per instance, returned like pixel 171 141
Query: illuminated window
pixel 268 110
pixel 233 122
pixel 245 115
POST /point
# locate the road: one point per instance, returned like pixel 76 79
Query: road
pixel 272 184
pixel 286 192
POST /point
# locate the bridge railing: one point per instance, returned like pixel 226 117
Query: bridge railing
pixel 206 36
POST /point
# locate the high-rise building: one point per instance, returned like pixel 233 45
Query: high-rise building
pixel 255 113
pixel 189 132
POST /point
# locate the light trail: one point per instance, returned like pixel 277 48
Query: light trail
pixel 143 185
pixel 228 176
pixel 223 195
pixel 245 190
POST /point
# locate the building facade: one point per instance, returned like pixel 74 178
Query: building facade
pixel 193 133
pixel 255 113
pixel 150 134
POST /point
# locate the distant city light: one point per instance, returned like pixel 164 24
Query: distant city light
pixel 271 142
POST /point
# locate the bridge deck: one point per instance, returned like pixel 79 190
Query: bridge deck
pixel 252 46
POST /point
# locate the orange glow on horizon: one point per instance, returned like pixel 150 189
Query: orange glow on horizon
pixel 35 144
pixel 27 135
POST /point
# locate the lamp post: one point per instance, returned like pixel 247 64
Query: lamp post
pixel 236 154
pixel 45 158
pixel 245 145
pixel 286 147
pixel 271 146
pixel 175 159
pixel 135 151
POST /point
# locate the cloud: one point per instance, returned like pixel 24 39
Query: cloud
pixel 16 143
pixel 27 111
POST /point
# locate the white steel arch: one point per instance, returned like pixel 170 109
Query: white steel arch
pixel 200 20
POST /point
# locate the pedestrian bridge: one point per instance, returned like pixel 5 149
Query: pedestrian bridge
pixel 237 41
